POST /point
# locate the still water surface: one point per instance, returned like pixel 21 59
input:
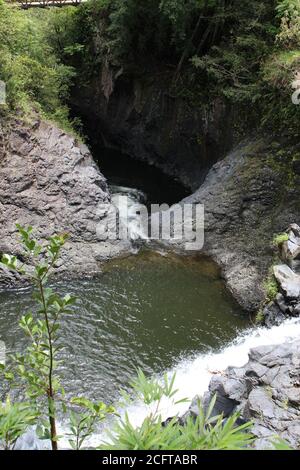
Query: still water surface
pixel 148 311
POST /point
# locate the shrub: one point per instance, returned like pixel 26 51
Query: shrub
pixel 15 418
pixel 205 432
pixel 36 368
pixel 271 288
pixel 29 65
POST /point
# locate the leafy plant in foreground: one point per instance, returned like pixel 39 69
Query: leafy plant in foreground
pixel 15 418
pixel 205 432
pixel 36 368
pixel 83 424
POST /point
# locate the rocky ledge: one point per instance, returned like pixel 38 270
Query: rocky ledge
pixel 266 391
pixel 49 181
pixel 287 301
pixel 248 197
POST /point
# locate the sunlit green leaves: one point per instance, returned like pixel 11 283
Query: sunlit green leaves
pixel 10 262
pixel 83 424
pixel 205 432
pixel 35 369
pixel 30 66
pixel 15 418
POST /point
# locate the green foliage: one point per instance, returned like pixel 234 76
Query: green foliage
pixel 259 318
pixel 280 239
pixel 271 287
pixel 35 369
pixel 135 34
pixel 35 372
pixel 15 418
pixel 206 432
pixel 29 64
pixel 290 7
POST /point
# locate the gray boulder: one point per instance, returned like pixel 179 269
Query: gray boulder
pixel 288 280
pixel 266 391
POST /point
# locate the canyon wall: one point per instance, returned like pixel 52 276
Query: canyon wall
pixel 49 180
pixel 141 117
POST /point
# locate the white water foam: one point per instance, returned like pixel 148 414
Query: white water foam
pixel 131 206
pixel 193 375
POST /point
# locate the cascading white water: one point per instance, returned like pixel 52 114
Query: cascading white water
pixel 129 201
pixel 194 374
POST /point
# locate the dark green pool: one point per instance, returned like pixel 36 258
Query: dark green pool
pixel 147 311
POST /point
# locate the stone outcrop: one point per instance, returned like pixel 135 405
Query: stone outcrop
pixel 49 181
pixel 142 118
pixel 288 280
pixel 266 391
pixel 287 301
pixel 248 197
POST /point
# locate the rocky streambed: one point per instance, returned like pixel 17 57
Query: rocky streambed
pixel 50 181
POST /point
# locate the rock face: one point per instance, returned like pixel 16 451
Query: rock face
pixel 249 195
pixel 288 280
pixel 287 301
pixel 247 199
pixel 49 181
pixel 266 391
pixel 140 117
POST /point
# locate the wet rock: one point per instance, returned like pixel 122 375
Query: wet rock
pixel 288 280
pixel 273 315
pixel 269 395
pixel 293 249
pixel 295 229
pixel 260 405
pixel 29 441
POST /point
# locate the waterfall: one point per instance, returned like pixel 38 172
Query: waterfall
pixel 192 378
pixel 129 201
pixel 194 374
